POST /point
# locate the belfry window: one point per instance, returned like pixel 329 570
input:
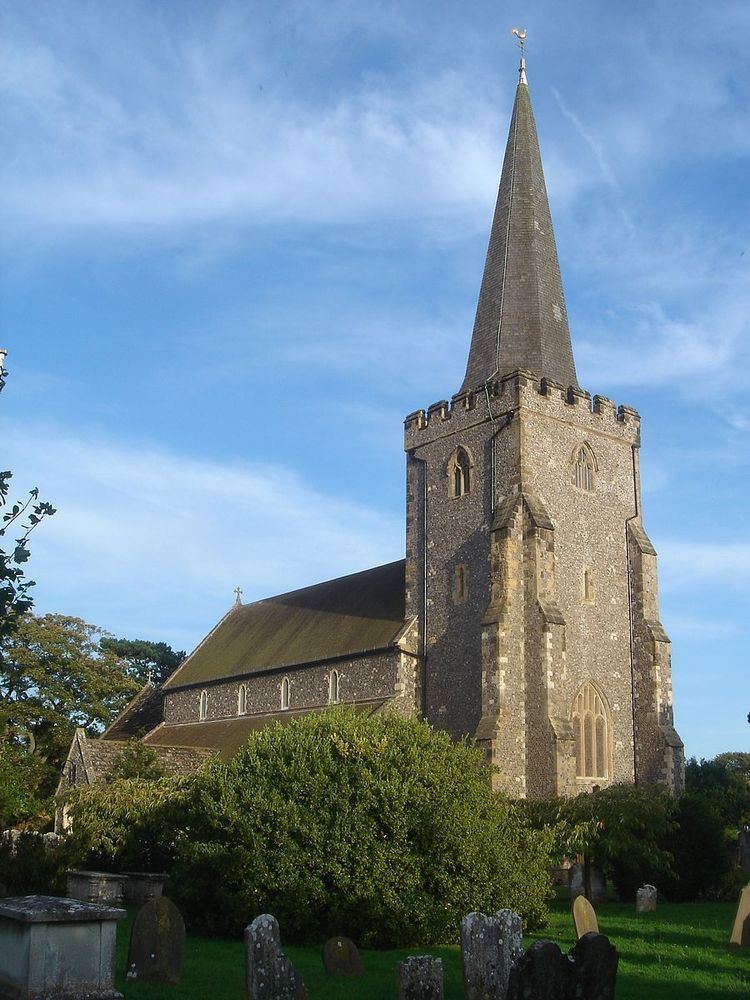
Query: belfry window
pixel 591 729
pixel 333 688
pixel 583 465
pixel 285 694
pixel 203 706
pixel 241 700
pixel 460 473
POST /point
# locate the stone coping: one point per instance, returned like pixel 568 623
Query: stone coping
pixel 107 876
pixel 55 909
pixel 152 876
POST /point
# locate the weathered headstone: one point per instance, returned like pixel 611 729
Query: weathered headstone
pixel 592 967
pixel 540 974
pixel 489 946
pixel 584 917
pixel 741 930
pixel 577 883
pixel 420 978
pixel 743 849
pixel 645 899
pixel 341 957
pixel 157 943
pixel 269 974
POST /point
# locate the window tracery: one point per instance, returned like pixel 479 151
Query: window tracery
pixel 584 467
pixel 460 473
pixel 591 728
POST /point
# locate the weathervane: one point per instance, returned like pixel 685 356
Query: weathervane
pixel 520 34
pixel 238 595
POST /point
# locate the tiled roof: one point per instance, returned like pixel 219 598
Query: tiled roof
pixel 521 321
pixel 226 736
pixel 353 614
pixel 141 714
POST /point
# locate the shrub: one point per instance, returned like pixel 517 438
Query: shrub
pixel 377 827
pixel 132 823
pixel 30 867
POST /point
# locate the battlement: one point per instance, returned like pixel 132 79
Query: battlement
pixel 520 390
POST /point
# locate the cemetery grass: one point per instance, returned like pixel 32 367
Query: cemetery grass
pixel 678 952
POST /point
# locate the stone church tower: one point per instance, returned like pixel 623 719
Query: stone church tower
pixel 527 566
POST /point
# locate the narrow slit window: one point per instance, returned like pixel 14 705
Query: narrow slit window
pixel 285 694
pixel 333 687
pixel 588 586
pixel 203 706
pixel 241 700
pixel 460 583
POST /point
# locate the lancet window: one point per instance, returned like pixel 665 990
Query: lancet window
pixel 592 733
pixel 203 706
pixel 241 700
pixel 285 694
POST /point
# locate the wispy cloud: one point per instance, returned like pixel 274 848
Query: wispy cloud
pixel 153 542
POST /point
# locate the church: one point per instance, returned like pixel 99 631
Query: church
pixel 525 614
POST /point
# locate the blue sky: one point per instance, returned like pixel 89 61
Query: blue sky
pixel 240 241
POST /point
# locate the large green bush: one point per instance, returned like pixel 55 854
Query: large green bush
pixel 376 827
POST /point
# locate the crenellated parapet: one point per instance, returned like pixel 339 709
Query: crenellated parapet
pixel 521 390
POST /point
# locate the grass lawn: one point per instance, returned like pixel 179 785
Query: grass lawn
pixel 680 951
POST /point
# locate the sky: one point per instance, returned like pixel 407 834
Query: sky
pixel 242 240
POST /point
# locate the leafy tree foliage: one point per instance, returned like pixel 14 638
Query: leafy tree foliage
pixel 55 676
pixel 153 661
pixel 623 828
pixel 20 774
pixel 135 760
pixel 130 823
pixel 377 825
pixel 715 804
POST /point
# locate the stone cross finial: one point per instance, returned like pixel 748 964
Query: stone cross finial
pixel 238 595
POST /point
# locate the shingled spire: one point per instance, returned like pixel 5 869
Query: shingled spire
pixel 521 320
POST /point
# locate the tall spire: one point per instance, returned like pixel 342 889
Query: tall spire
pixel 521 320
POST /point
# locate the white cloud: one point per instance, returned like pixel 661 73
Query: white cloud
pixel 688 564
pixel 146 542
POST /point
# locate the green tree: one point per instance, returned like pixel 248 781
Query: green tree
pixel 135 760
pixel 153 661
pixel 55 676
pixel 376 824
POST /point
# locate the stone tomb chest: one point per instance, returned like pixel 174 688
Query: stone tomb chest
pixel 62 948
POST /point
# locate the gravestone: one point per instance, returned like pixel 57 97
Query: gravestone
pixel 420 978
pixel 743 849
pixel 489 946
pixel 584 917
pixel 577 882
pixel 540 974
pixel 269 974
pixel 645 899
pixel 157 943
pixel 592 968
pixel 741 930
pixel 341 957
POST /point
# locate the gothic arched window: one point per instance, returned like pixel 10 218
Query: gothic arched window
pixel 241 700
pixel 203 706
pixel 584 466
pixel 460 473
pixel 285 694
pixel 590 720
pixel 333 687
